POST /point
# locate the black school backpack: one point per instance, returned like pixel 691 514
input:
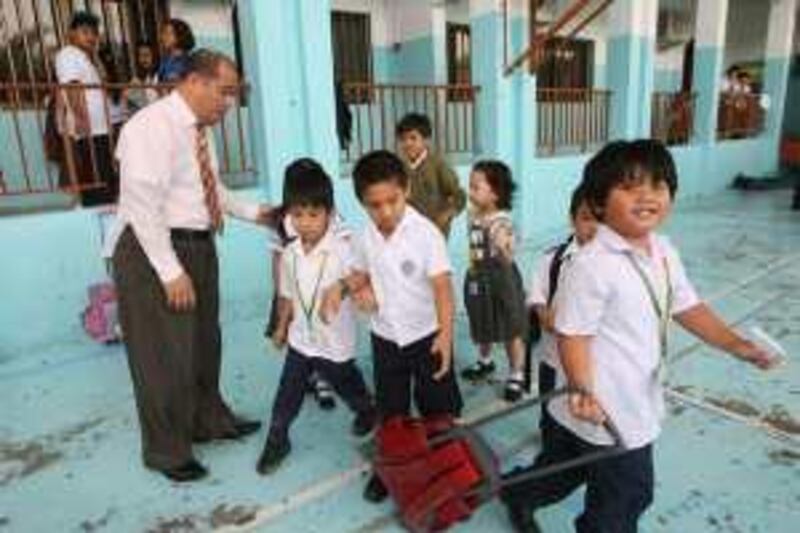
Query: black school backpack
pixel 553 274
pixel 534 328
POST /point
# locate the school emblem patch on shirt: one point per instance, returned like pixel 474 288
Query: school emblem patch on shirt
pixel 407 267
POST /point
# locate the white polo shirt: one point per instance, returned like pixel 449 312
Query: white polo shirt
pixel 540 288
pixel 602 296
pixel 74 66
pixel 400 269
pixel 304 274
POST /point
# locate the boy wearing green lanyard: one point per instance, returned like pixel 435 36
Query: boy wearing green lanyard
pixel 314 262
pixel 612 313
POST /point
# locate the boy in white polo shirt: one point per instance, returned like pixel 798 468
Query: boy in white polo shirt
pixel 612 313
pixel 318 259
pixel 403 278
pixel 545 281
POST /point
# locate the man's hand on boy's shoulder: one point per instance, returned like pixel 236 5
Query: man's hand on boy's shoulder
pixel 268 216
pixel 442 348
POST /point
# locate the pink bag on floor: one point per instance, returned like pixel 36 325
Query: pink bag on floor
pixel 100 318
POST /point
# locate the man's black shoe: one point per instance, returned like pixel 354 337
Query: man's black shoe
pixel 189 471
pixel 241 428
pixel 245 427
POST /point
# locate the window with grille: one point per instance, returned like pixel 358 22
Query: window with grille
pixel 459 58
pixel 33 32
pixel 352 48
pixel 567 64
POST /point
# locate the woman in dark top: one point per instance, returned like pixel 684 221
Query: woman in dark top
pixel 177 40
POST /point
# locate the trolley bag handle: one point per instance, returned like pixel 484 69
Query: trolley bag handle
pixel 485 458
pixel 617 447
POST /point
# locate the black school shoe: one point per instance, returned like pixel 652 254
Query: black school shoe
pixel 273 455
pixel 364 422
pixel 323 393
pixel 519 514
pixel 513 390
pixel 478 371
pixel 375 491
pixel 521 518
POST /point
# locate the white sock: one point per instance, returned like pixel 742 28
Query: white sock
pixel 515 375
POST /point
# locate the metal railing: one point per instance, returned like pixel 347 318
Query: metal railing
pixel 571 120
pixel 672 120
pixel 375 109
pixel 40 155
pixel 740 115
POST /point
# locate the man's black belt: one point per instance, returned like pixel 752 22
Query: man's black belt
pixel 185 234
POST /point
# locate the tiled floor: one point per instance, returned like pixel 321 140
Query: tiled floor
pixel 728 460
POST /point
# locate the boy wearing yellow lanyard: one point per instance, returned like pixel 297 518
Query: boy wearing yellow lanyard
pixel 317 260
pixel 612 313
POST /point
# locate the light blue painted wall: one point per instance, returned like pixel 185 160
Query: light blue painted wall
pixel 630 78
pixel 600 76
pixel 410 62
pixel 791 122
pixel 622 82
pixel 221 43
pixel 643 107
pixel 292 92
pixel 413 61
pixel 551 183
pixel 704 170
pixel 44 287
pixel 382 64
pixel 12 152
pixel 706 79
pixel 495 120
pixel 776 79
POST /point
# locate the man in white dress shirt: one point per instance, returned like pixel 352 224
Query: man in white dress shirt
pixel 85 121
pixel 165 266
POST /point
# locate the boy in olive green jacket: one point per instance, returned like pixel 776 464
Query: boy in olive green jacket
pixel 434 188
